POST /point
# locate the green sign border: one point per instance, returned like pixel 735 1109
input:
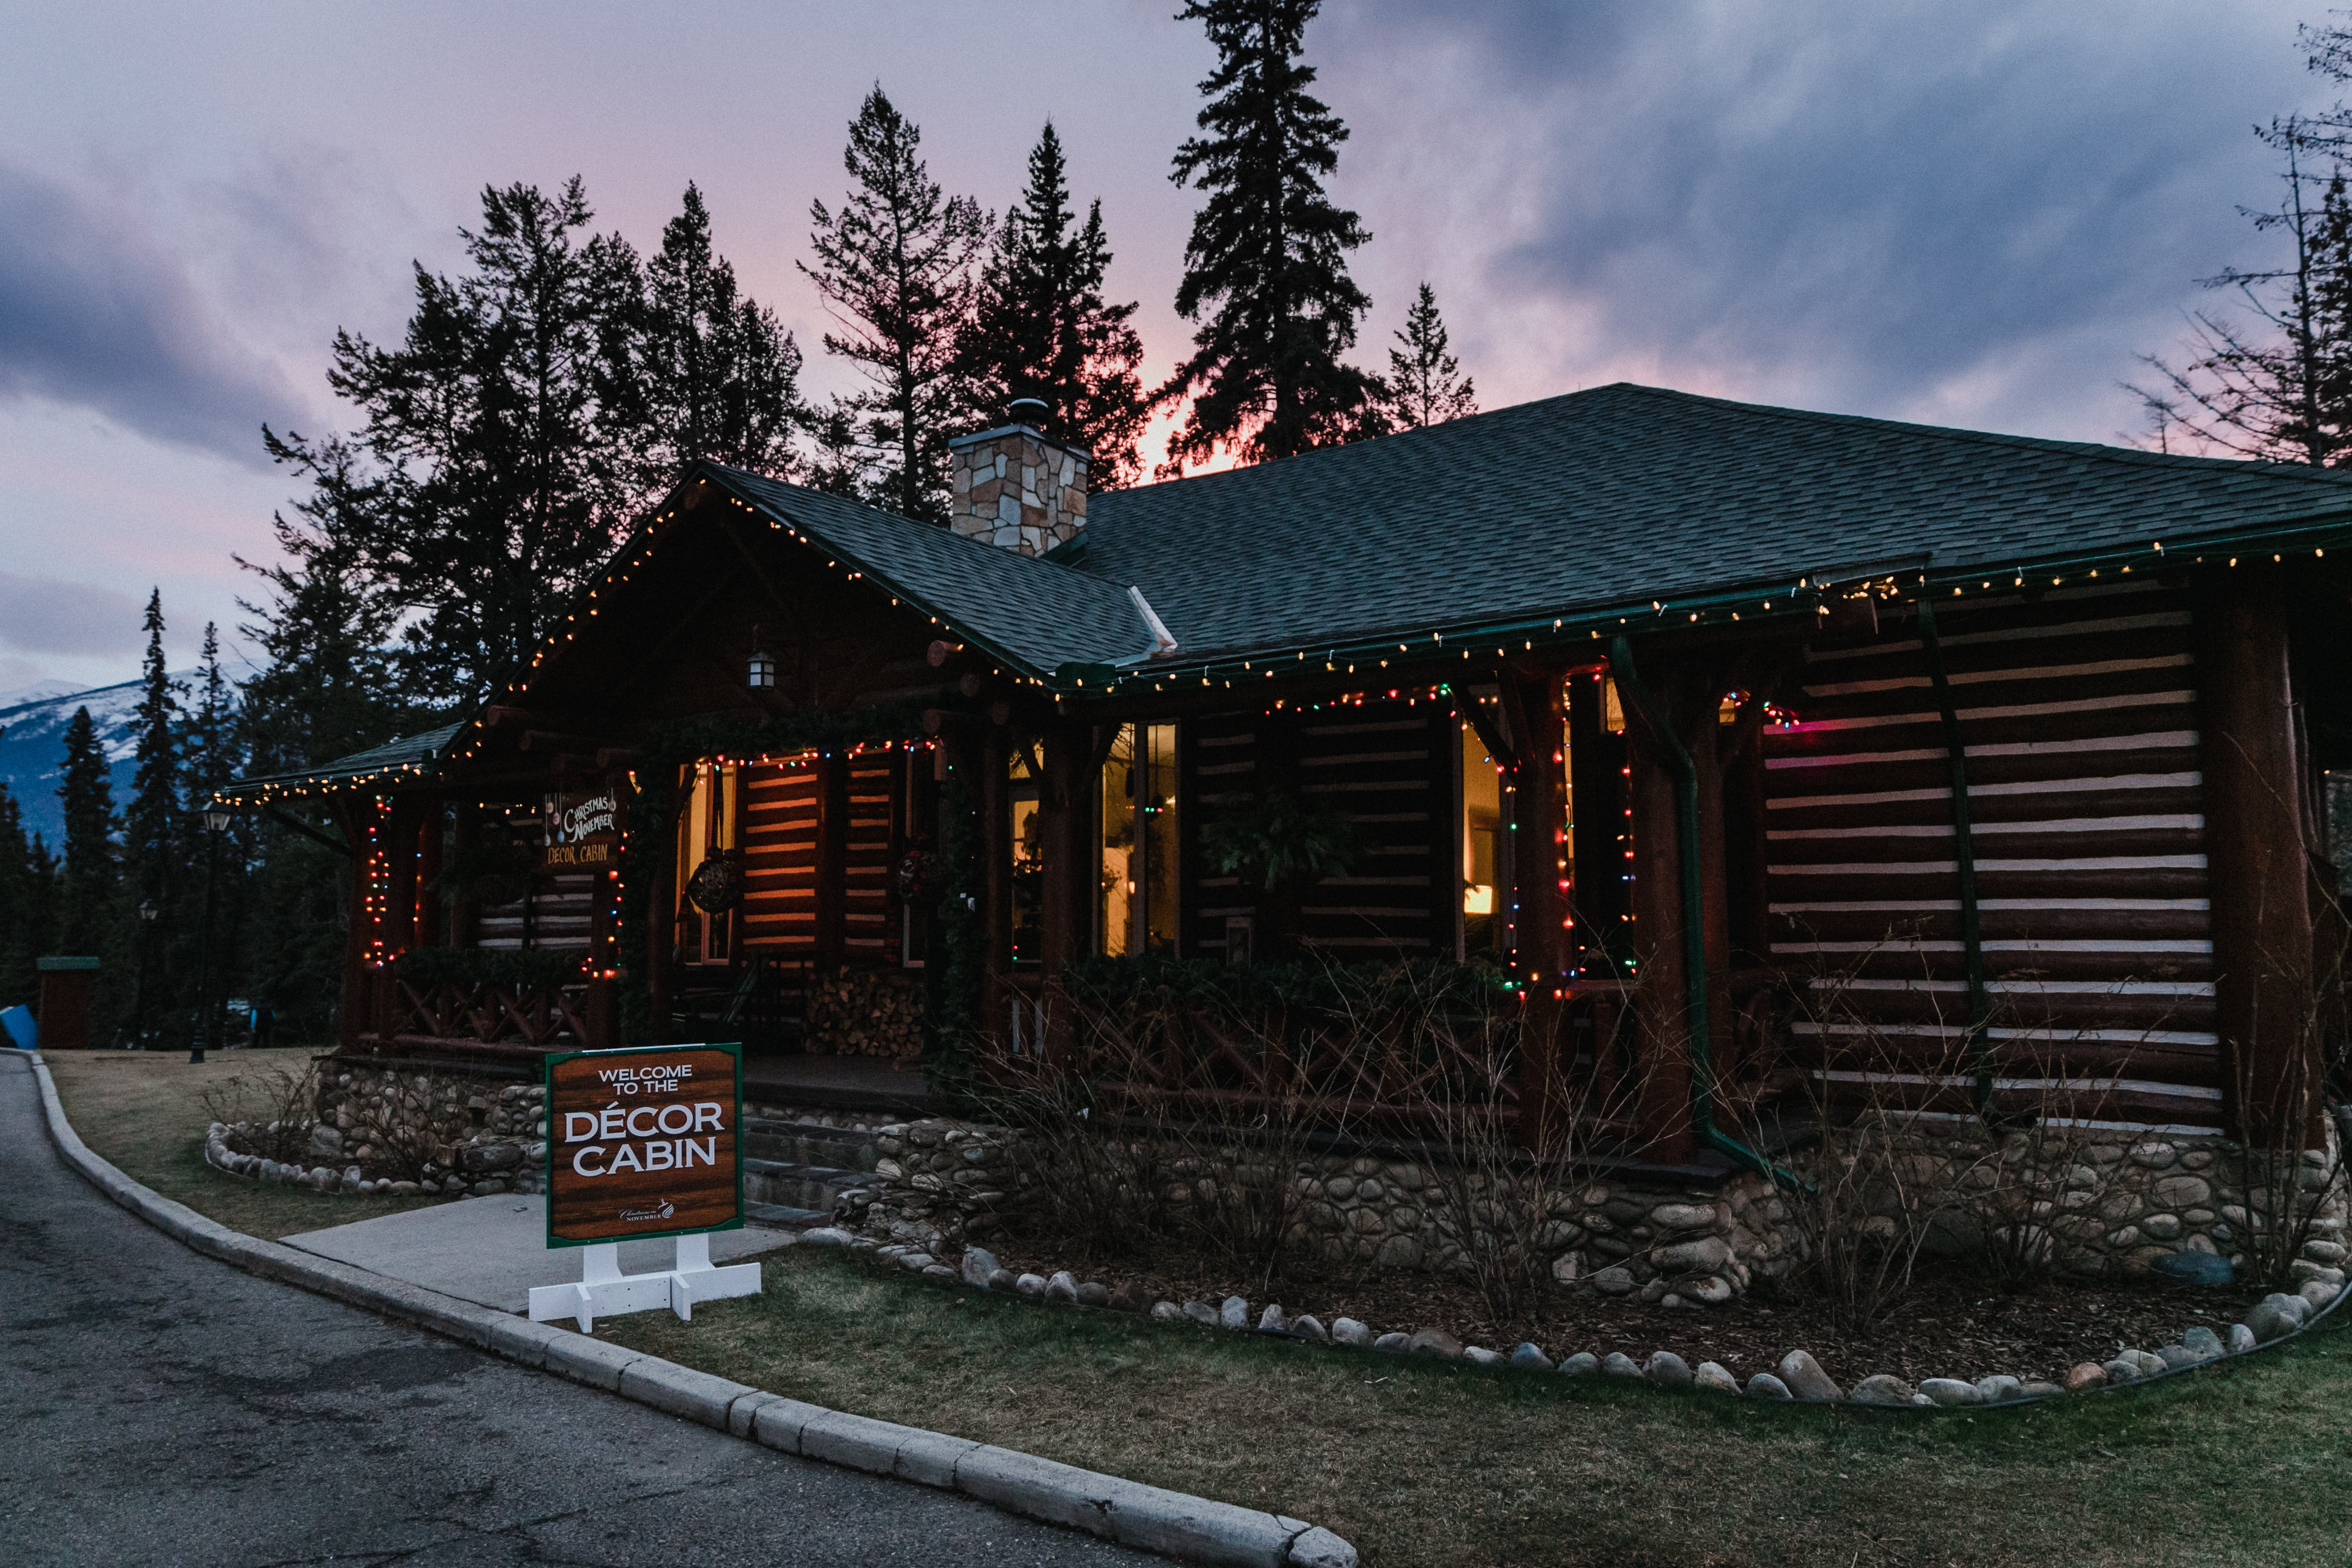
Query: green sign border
pixel 547 1086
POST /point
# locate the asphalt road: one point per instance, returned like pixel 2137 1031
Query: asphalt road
pixel 158 1408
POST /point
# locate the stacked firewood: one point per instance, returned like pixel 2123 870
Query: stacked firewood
pixel 866 1013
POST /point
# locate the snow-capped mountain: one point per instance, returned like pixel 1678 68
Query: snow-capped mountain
pixel 33 747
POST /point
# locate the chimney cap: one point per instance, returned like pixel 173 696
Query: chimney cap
pixel 1027 410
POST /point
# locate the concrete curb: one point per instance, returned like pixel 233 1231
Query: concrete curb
pixel 1149 1519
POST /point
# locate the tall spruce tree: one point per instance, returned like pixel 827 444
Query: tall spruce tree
pixel 894 265
pixel 1041 327
pixel 27 904
pixel 1266 271
pixel 1424 384
pixel 152 837
pixel 86 895
pixel 2273 378
pixel 697 370
pixel 497 487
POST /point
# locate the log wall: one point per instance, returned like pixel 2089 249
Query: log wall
pixel 2078 714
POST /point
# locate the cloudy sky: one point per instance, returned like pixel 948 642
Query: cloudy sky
pixel 1969 213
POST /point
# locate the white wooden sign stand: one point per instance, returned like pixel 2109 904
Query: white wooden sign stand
pixel 604 1291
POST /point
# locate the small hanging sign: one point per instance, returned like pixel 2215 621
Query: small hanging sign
pixel 584 831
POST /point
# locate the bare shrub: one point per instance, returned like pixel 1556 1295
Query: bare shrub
pixel 2286 1163
pixel 272 1111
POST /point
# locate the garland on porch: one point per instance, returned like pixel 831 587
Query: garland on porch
pixel 653 816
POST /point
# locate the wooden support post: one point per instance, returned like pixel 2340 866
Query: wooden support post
pixel 402 833
pixel 356 817
pixel 432 925
pixel 464 908
pixel 1661 1013
pixel 2258 876
pixel 1537 809
pixel 1065 836
pixel 660 849
pixel 996 861
pixel 832 860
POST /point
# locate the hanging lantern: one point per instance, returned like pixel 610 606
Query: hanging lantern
pixel 760 672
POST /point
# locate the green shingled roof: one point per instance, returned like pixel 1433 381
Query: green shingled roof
pixel 409 754
pixel 1038 614
pixel 1624 494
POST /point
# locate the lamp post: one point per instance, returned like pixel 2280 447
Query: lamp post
pixel 216 821
pixel 147 913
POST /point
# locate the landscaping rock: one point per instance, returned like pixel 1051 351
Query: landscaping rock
pixel 1883 1388
pixel 2150 1363
pixel 1030 1285
pixel 1094 1294
pixel 1201 1312
pixel 1002 1279
pixel 2319 1293
pixel 2275 1315
pixel 1235 1313
pixel 1614 1280
pixel 1479 1356
pixel 1167 1312
pixel 1999 1388
pixel 2191 1269
pixel 980 1265
pixel 1950 1391
pixel 1580 1363
pixel 1130 1297
pixel 1307 1326
pixel 1764 1386
pixel 2175 1357
pixel 2203 1344
pixel 1271 1321
pixel 1531 1357
pixel 938 1271
pixel 1713 1290
pixel 2122 1369
pixel 1347 1332
pixel 1716 1377
pixel 1667 1368
pixel 1620 1364
pixel 1063 1286
pixel 2241 1339
pixel 1392 1343
pixel 1437 1342
pixel 2038 1389
pixel 916 1262
pixel 1805 1379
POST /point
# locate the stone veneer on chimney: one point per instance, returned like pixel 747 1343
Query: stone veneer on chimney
pixel 1016 487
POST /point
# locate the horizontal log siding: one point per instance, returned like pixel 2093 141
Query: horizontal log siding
pixel 781 811
pixel 2079 716
pixel 870 924
pixel 1390 766
pixel 1222 774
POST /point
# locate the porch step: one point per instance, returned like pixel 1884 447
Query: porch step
pixel 796 1185
pixel 782 1216
pixel 808 1143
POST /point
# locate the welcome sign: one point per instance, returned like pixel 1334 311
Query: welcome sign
pixel 644 1142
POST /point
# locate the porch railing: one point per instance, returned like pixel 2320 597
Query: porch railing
pixel 443 1017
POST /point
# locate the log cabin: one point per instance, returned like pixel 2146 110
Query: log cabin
pixel 1731 737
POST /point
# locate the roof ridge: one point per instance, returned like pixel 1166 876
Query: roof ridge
pixel 2100 449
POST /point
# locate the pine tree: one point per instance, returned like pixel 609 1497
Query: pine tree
pixel 1424 384
pixel 894 265
pixel 2274 380
pixel 27 904
pixel 1267 258
pixel 1041 327
pixel 497 487
pixel 697 370
pixel 150 829
pixel 88 893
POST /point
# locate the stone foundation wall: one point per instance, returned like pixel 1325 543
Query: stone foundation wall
pixel 2111 1204
pixel 866 1013
pixel 475 1134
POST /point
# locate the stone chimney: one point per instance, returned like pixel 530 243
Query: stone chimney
pixel 1016 487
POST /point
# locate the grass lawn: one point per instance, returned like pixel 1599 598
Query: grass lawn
pixel 145 1111
pixel 1423 1463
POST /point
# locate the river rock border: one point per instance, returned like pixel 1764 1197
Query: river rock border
pixel 1797 1377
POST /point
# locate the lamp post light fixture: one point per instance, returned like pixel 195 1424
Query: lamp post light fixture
pixel 760 670
pixel 216 820
pixel 147 913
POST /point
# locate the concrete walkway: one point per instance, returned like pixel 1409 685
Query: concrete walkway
pixel 491 1251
